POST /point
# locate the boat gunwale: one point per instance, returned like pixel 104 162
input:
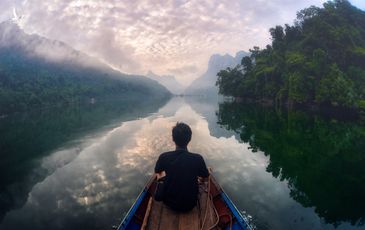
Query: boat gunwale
pixel 242 221
pixel 136 204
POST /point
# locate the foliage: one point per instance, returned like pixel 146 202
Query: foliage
pixel 28 82
pixel 319 60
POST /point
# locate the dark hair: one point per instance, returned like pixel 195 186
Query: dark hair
pixel 181 134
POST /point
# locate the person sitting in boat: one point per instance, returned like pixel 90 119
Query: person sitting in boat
pixel 181 169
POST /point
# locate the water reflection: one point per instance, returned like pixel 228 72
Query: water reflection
pixel 322 160
pixel 27 138
pixel 92 184
pixel 97 187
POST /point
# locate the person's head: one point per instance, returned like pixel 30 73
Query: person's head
pixel 181 134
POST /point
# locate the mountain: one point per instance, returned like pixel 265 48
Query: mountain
pixel 14 38
pixel 37 72
pixel 205 84
pixel 168 81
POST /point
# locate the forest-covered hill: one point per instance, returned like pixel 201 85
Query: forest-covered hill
pixel 319 60
pixel 37 72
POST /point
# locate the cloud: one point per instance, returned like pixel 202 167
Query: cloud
pixel 184 70
pixel 6 9
pixel 161 35
pixel 359 3
pixel 119 55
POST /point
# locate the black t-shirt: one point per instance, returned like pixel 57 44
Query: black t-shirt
pixel 181 186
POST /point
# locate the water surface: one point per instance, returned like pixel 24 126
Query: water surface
pixel 84 168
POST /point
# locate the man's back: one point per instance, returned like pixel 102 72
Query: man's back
pixel 181 186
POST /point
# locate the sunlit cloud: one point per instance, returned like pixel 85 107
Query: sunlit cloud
pixel 166 37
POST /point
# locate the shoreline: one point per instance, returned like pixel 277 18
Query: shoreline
pixel 329 111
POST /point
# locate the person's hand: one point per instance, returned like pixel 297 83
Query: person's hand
pixel 160 175
pixel 210 169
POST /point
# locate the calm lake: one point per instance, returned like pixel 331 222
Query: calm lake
pixel 82 167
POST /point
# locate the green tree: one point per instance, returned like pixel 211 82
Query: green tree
pixel 319 60
pixel 335 89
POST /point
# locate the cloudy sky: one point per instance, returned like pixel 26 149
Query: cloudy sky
pixel 174 37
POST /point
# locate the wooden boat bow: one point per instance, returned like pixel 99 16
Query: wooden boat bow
pixel 214 211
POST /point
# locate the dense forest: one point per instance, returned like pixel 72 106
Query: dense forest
pixel 320 60
pixel 28 82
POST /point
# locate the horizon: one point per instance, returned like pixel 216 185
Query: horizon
pixel 174 38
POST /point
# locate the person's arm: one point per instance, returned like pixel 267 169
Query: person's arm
pixel 160 168
pixel 203 170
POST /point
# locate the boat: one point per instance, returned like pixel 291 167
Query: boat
pixel 214 210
